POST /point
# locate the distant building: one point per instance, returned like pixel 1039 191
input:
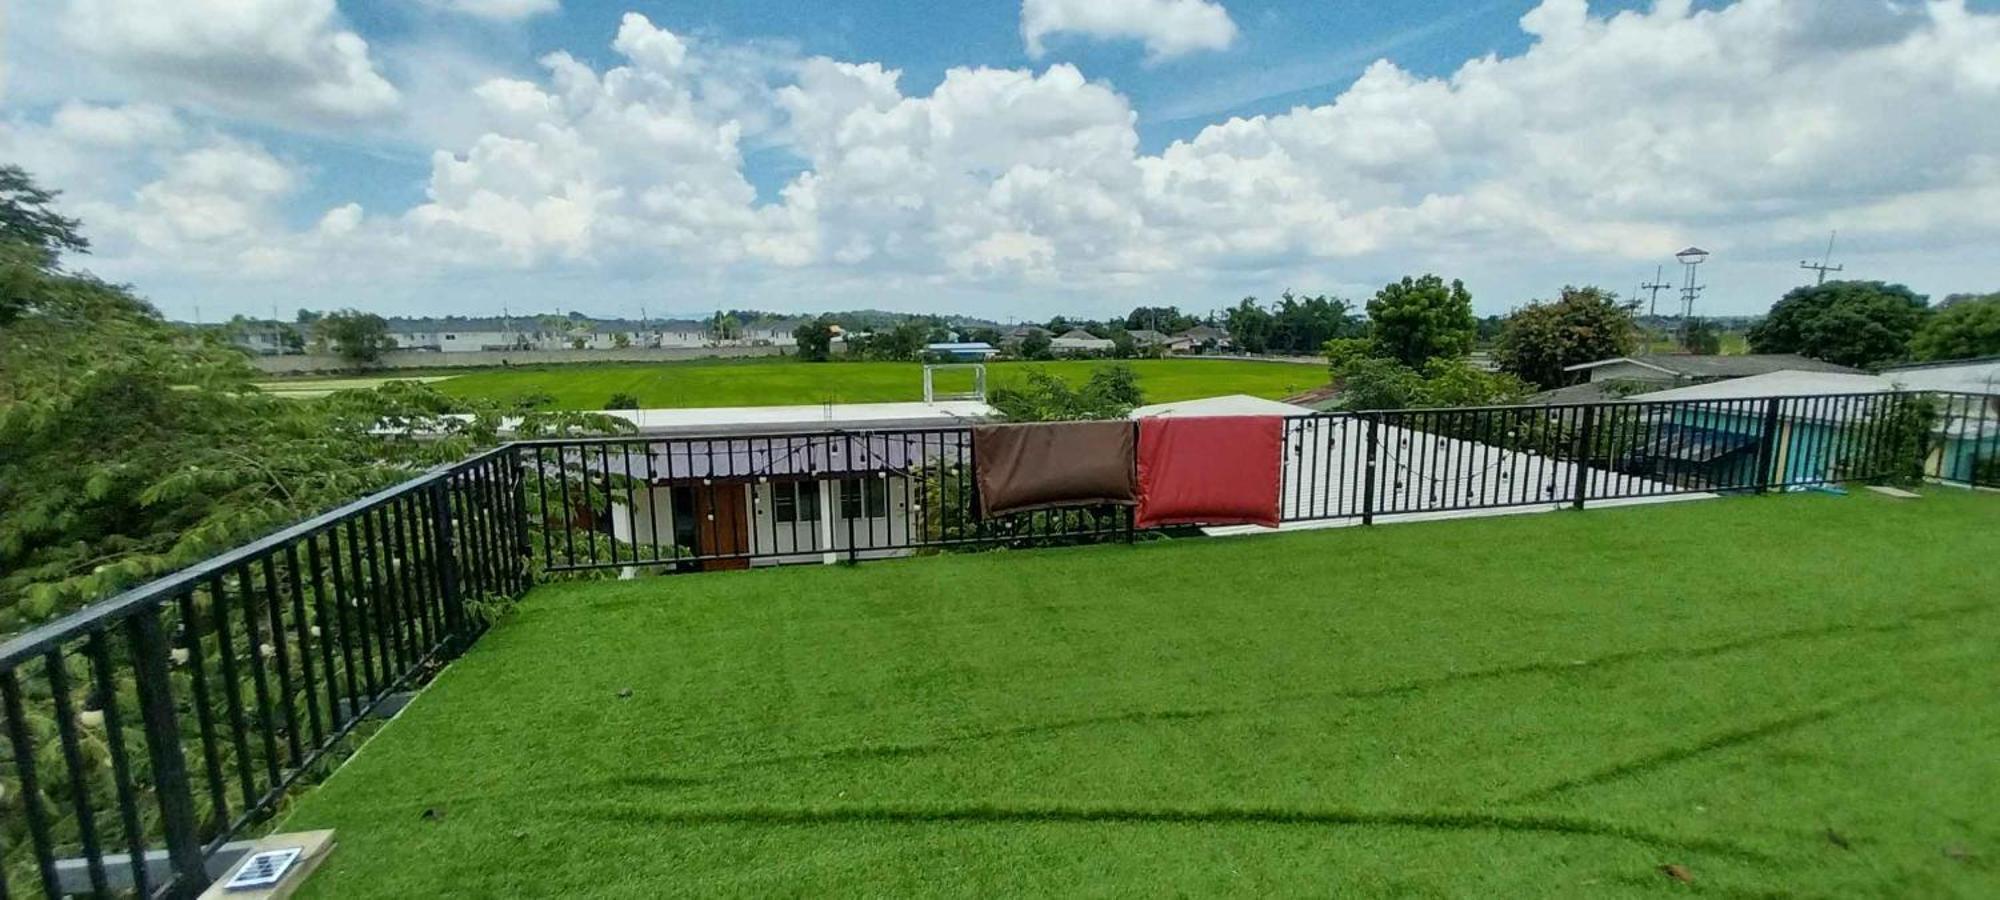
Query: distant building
pixel 462 335
pixel 267 338
pixel 973 351
pixel 1199 339
pixel 1077 341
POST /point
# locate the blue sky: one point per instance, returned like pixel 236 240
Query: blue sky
pixel 426 156
pixel 1298 52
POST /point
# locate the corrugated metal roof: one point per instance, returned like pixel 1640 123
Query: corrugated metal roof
pixel 1691 366
pixel 1777 384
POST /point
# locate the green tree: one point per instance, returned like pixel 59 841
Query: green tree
pixel 1416 319
pixel 814 339
pixel 28 219
pixel 1701 338
pixel 1966 329
pixel 621 340
pixel 134 447
pixel 1249 326
pixel 1163 319
pixel 33 237
pixel 1036 345
pixel 902 343
pixel 1377 382
pixel 1540 340
pixel 1851 323
pixel 724 326
pixel 355 336
pixel 1111 392
pixel 1370 381
pixel 1302 325
pixel 1454 382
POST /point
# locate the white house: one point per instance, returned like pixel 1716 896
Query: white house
pixel 462 335
pixel 776 332
pixel 1199 339
pixel 1078 341
pixel 793 484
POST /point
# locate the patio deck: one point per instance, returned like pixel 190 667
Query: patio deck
pixel 1779 694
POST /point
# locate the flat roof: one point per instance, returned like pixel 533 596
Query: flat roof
pixel 821 417
pixel 1969 376
pixel 1225 405
pixel 1787 383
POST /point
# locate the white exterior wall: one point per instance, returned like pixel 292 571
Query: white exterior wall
pixel 777 335
pixel 453 341
pixel 775 542
pixel 1079 345
pixel 682 338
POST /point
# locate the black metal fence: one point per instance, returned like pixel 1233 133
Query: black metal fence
pixel 672 504
pixel 145 733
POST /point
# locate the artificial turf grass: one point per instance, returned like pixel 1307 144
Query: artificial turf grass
pixel 789 382
pixel 1550 704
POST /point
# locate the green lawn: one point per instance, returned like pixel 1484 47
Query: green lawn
pixel 1784 695
pixel 781 383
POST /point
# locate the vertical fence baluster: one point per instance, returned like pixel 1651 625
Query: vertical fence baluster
pixel 57 671
pixel 218 788
pixel 1581 458
pixel 281 655
pixel 99 653
pixel 239 727
pixel 301 629
pixel 259 684
pixel 148 643
pixel 329 631
pixel 1767 447
pixel 30 785
pixel 359 603
pixel 454 609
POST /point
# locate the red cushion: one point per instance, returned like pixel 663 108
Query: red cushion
pixel 1209 470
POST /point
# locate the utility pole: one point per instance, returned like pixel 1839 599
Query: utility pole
pixel 1655 286
pixel 1822 268
pixel 1691 258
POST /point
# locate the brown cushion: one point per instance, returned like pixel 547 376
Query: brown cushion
pixel 1050 464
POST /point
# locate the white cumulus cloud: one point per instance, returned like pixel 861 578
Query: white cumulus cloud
pixel 1611 141
pixel 287 60
pixel 1167 27
pixel 498 10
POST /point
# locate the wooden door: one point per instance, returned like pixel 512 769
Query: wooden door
pixel 721 525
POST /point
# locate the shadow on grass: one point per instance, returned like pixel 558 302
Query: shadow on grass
pixel 997 814
pixel 954 743
pixel 1725 740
